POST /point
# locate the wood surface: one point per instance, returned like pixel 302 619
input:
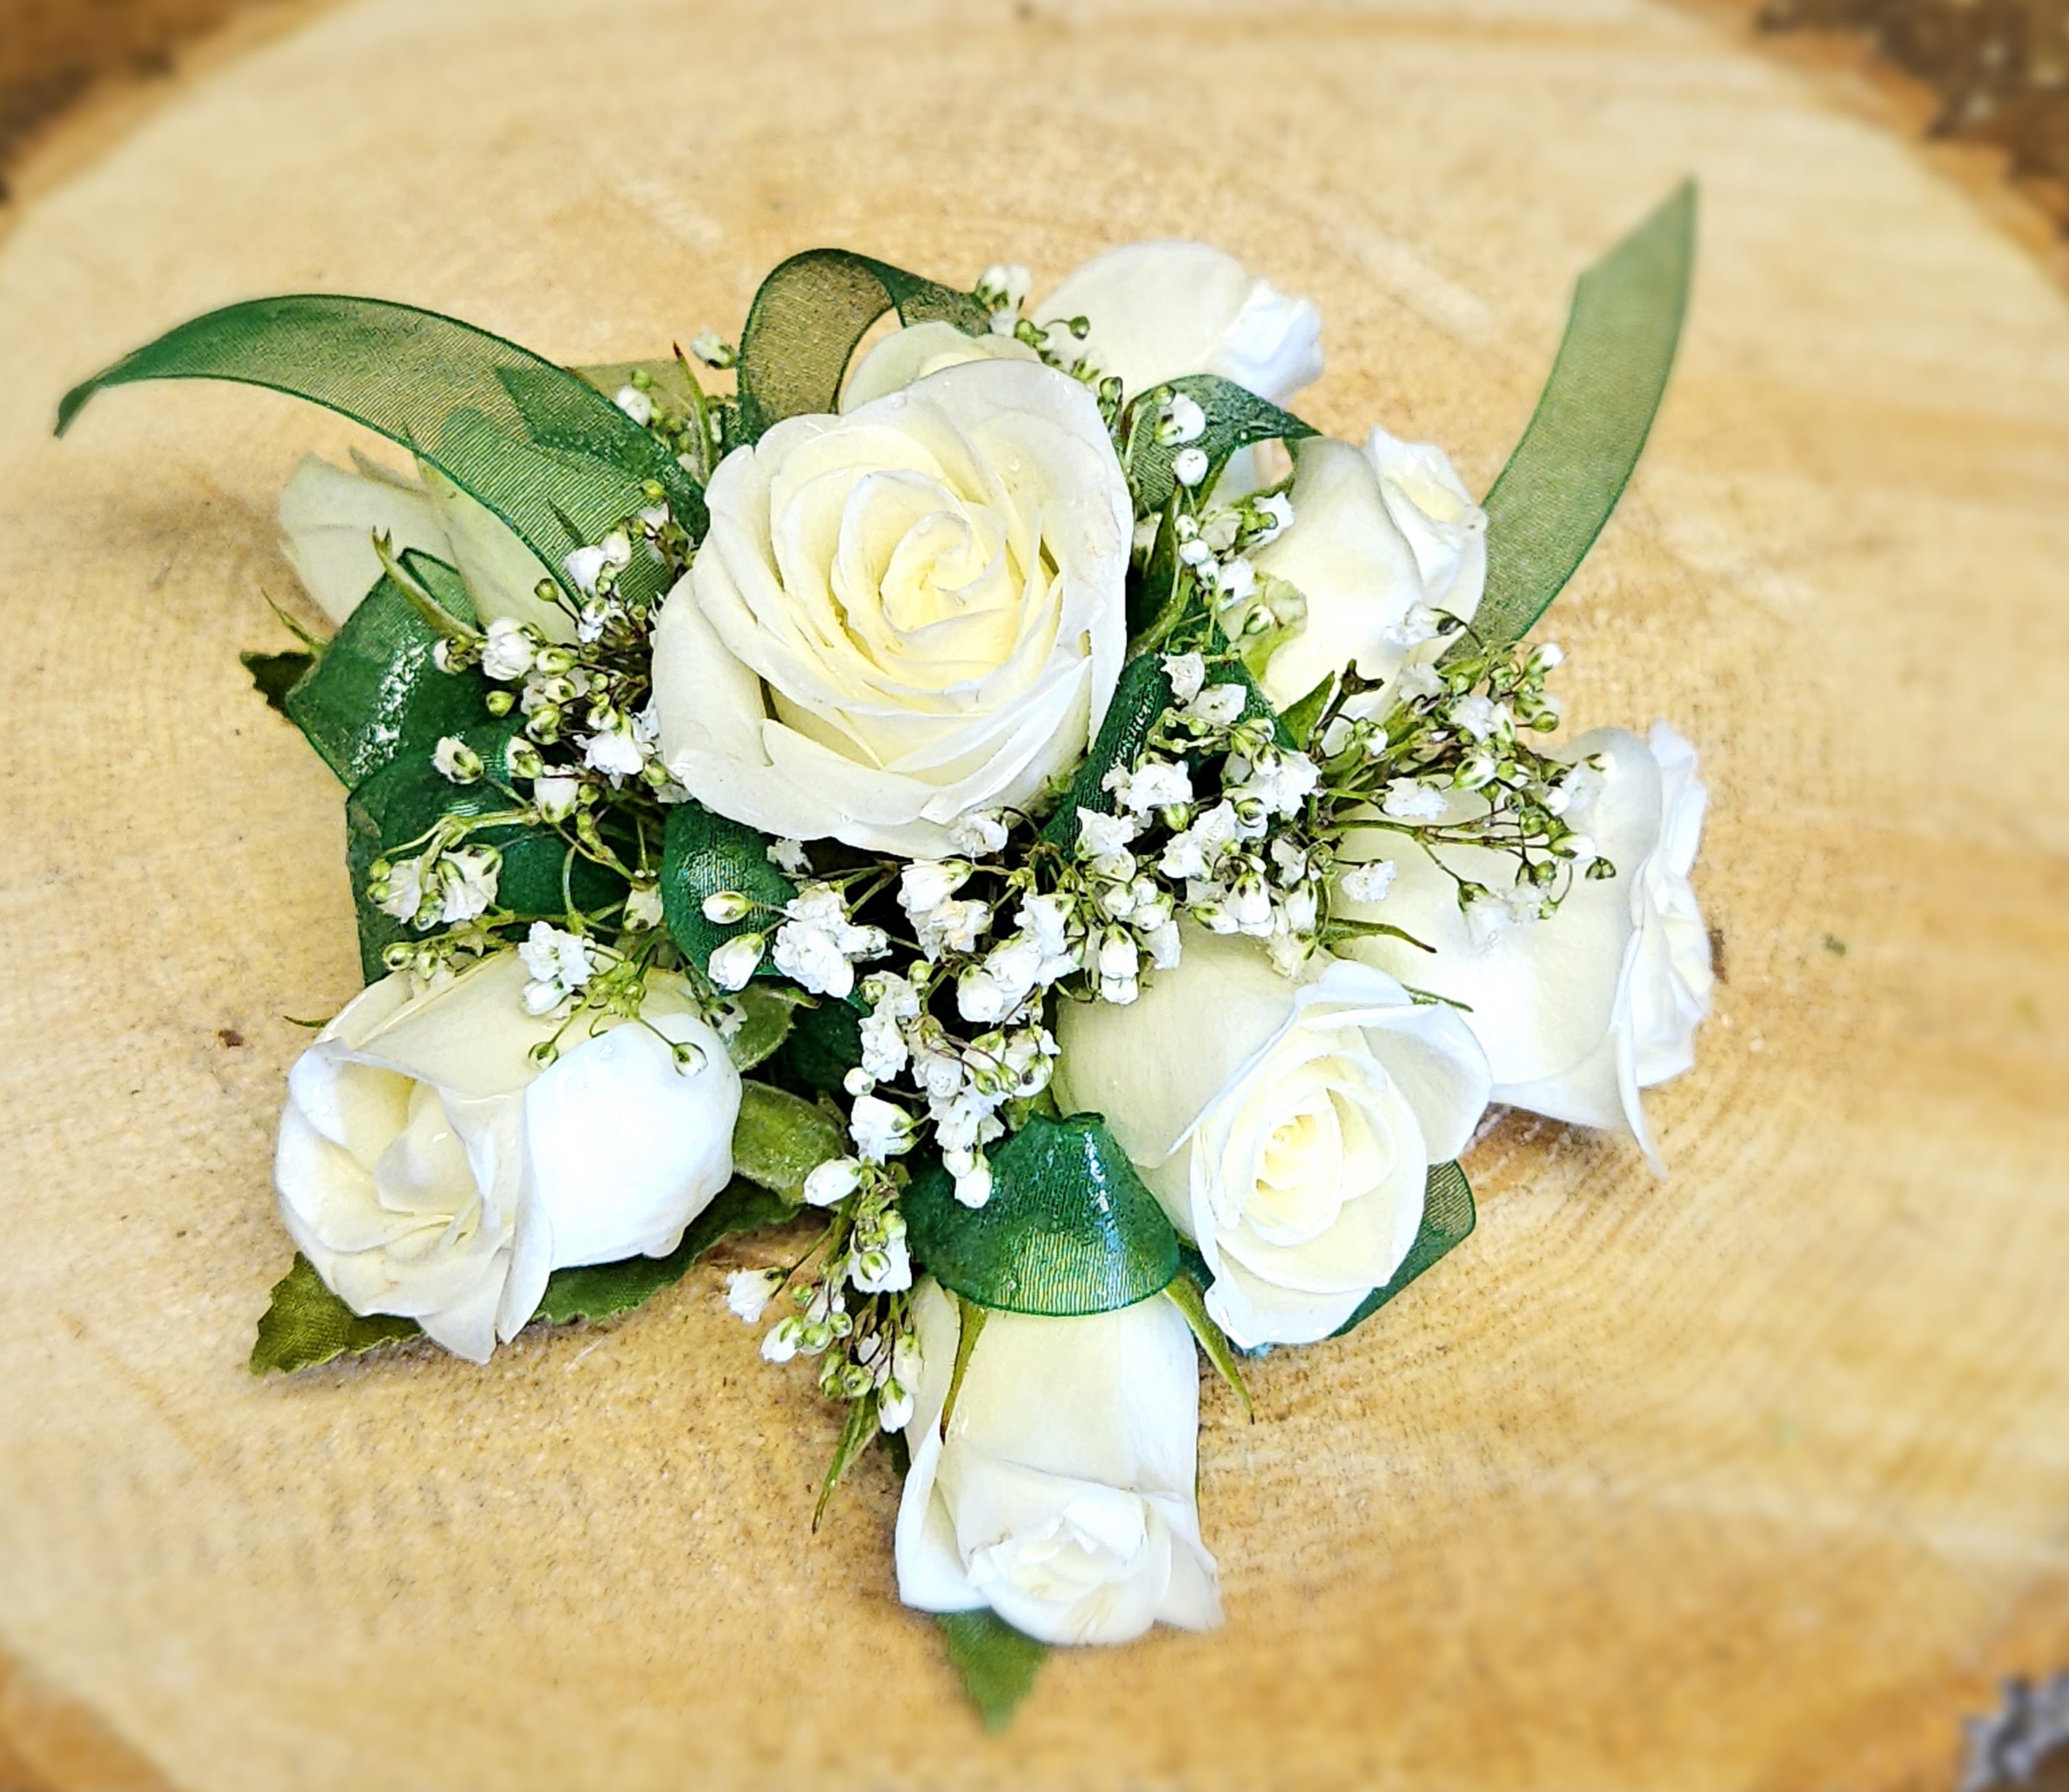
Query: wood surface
pixel 1756 1477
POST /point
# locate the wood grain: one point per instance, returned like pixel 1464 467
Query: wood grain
pixel 1757 1477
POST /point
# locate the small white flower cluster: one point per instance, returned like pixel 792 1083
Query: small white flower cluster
pixel 561 964
pixel 1253 609
pixel 817 944
pixel 1230 863
pixel 574 694
pixel 963 1082
pixel 878 1355
pixel 1002 289
pixel 1450 766
pixel 446 885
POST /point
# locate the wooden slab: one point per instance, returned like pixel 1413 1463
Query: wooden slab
pixel 1757 1477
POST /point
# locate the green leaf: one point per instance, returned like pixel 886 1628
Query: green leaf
pixel 861 1426
pixel 307 1324
pixel 377 692
pixel 970 1318
pixel 1237 418
pixel 766 1024
pixel 1186 1296
pixel 1301 714
pixel 809 314
pixel 1571 467
pixel 539 446
pixel 408 796
pixel 275 674
pixel 779 1138
pixel 1447 1221
pixel 703 854
pixel 599 1290
pixel 824 1044
pixel 997 1664
pixel 1069 1228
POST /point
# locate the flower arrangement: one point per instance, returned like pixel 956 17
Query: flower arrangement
pixel 1054 852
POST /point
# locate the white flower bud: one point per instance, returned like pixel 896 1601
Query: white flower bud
pixel 749 1291
pixel 972 1186
pixel 556 796
pixel 832 1181
pixel 1369 882
pixel 635 404
pixel 508 653
pixel 1188 467
pixel 456 760
pixel 734 962
pixel 726 906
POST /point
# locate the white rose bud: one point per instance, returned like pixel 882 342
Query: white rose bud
pixel 1062 1496
pixel 1581 1011
pixel 1159 311
pixel 429 1167
pixel 1376 538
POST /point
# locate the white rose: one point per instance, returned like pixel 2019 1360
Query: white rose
pixel 1287 1130
pixel 1375 533
pixel 428 1167
pixel 919 350
pixel 329 517
pixel 1160 310
pixel 900 615
pixel 1062 1496
pixel 1579 1012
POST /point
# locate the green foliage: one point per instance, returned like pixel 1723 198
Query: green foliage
pixel 767 1013
pixel 998 1664
pixel 1567 472
pixel 1069 1228
pixel 824 1044
pixel 536 444
pixel 408 797
pixel 376 694
pixel 861 1426
pixel 1236 419
pixel 703 854
pixel 1447 1221
pixel 1186 1296
pixel 273 675
pixel 600 1290
pixel 307 1324
pixel 809 314
pixel 780 1139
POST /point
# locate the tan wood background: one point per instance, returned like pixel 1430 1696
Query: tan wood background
pixel 1757 1477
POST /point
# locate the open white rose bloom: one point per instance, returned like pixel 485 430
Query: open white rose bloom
pixel 1287 1128
pixel 903 614
pixel 1017 807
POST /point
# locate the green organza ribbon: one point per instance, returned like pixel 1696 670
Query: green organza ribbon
pixel 1447 1221
pixel 809 314
pixel 1567 472
pixel 1069 1228
pixel 535 443
pixel 376 694
pixel 408 796
pixel 703 854
pixel 1237 418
